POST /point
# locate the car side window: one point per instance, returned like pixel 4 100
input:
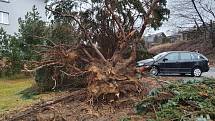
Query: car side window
pixel 172 56
pixel 194 56
pixel 185 56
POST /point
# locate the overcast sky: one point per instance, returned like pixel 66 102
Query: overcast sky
pixel 169 27
pixel 179 7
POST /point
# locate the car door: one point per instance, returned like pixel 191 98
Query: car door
pixel 186 62
pixel 169 63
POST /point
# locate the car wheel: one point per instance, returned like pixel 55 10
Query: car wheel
pixel 154 71
pixel 197 72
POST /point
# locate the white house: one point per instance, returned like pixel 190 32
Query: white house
pixel 11 10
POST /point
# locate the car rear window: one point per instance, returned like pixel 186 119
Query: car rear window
pixel 196 56
pixel 185 56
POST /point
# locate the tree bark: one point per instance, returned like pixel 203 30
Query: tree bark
pixel 146 17
pixel 83 29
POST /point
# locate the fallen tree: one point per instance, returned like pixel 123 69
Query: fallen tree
pixel 103 58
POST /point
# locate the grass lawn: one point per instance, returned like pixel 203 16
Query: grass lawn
pixel 17 93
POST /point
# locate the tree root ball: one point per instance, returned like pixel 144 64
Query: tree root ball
pixel 48 79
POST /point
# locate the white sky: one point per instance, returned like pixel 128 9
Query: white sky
pixel 168 26
pixel 171 26
pixel 176 7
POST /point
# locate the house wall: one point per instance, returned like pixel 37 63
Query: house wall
pixel 19 8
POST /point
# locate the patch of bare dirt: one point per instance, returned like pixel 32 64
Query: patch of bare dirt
pixel 74 106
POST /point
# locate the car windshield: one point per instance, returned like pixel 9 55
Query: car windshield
pixel 159 56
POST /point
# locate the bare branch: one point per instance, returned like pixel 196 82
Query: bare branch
pixel 194 4
pixel 207 9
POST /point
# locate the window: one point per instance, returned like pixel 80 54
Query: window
pixel 172 56
pixel 202 57
pixel 4 17
pixel 159 55
pixel 4 0
pixel 194 56
pixel 185 56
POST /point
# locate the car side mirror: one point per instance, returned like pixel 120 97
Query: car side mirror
pixel 165 59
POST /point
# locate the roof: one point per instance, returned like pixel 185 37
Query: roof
pixel 183 51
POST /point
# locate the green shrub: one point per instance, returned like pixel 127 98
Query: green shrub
pixel 193 100
pixel 11 55
pixel 18 49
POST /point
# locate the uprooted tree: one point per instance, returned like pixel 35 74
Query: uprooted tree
pixel 103 54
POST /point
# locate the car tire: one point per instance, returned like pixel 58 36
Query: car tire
pixel 196 72
pixel 154 71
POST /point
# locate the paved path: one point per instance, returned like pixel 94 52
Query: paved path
pixel 210 73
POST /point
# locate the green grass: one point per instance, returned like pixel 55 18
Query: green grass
pixel 15 94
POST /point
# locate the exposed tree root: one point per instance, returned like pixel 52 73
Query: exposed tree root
pixel 103 60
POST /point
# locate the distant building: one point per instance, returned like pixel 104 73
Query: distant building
pixel 154 39
pixel 193 33
pixel 175 37
pixel 11 10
